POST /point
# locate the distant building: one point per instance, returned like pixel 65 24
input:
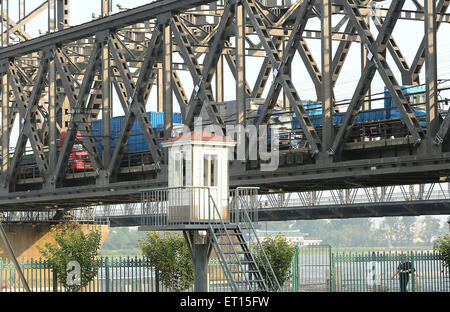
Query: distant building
pixel 295 237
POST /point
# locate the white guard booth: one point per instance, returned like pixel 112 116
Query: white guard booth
pixel 198 175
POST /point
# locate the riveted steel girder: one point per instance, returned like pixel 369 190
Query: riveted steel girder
pixel 281 64
pixel 134 96
pixel 377 49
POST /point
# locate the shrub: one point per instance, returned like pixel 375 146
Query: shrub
pixel 73 245
pixel 442 245
pixel 279 253
pixel 169 254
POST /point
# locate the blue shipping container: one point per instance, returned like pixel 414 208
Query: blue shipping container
pixel 136 141
pixel 406 90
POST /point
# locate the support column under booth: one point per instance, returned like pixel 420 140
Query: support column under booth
pixel 200 248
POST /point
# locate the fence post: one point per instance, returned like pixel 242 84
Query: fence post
pixel 296 264
pixel 413 274
pixel 330 270
pixel 156 280
pixel 55 281
pixel 374 287
pixel 106 275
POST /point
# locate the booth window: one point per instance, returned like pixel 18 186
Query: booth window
pixel 180 169
pixel 210 169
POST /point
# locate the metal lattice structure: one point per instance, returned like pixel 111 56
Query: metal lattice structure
pixel 71 76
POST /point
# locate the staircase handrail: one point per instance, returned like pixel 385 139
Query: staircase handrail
pixel 250 225
pixel 229 238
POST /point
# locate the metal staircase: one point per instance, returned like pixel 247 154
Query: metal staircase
pixel 244 272
pixel 233 238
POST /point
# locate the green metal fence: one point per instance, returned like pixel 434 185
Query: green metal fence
pixel 114 275
pixel 375 272
pixel 314 269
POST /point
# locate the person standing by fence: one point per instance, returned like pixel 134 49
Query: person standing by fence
pixel 403 270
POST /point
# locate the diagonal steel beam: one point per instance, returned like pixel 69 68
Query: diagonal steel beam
pixel 29 129
pixel 342 53
pixel 419 59
pixel 180 93
pixel 79 120
pixel 374 47
pixel 377 62
pixel 443 130
pixel 289 14
pixel 202 95
pixel 17 27
pixel 264 73
pixel 231 61
pixel 281 77
pixel 134 96
pixel 311 66
pixel 394 50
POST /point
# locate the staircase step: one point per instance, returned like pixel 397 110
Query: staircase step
pixel 237 253
pixel 247 282
pixel 244 262
pixel 229 234
pixel 232 244
pixel 245 271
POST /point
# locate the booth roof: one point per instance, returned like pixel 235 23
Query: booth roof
pixel 200 135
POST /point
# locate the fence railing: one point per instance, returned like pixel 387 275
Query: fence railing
pixel 376 272
pixel 193 205
pixel 178 205
pixel 313 269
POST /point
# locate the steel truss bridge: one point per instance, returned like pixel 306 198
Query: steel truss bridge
pixel 181 51
pixel 372 202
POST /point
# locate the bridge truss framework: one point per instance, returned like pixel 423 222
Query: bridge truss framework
pixel 69 77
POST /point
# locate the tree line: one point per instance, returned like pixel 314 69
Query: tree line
pixel 363 232
pixel 368 232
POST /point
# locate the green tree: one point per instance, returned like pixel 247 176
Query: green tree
pixel 169 254
pixel 431 227
pixel 279 253
pixel 73 245
pixel 399 230
pixel 442 245
pixel 409 224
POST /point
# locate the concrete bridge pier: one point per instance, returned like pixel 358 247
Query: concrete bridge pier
pixel 24 238
pixel 4 239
